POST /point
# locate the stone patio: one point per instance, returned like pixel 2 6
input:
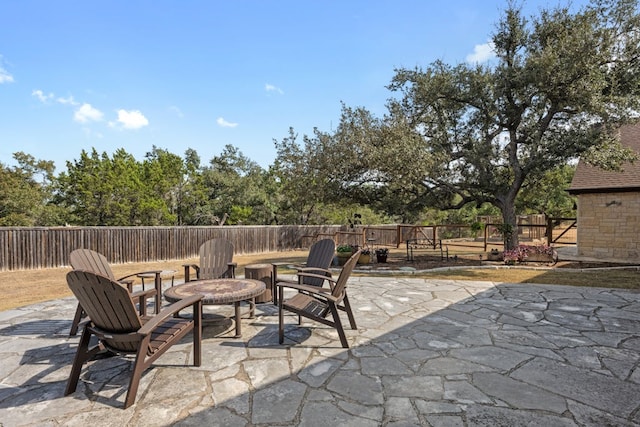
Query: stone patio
pixel 426 352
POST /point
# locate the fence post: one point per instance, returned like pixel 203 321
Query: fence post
pixel 435 236
pixel 549 231
pixel 485 237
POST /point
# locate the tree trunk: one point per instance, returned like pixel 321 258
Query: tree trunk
pixel 509 226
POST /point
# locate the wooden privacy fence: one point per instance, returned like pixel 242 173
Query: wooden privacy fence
pixel 23 248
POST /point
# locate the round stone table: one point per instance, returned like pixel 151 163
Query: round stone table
pixel 221 291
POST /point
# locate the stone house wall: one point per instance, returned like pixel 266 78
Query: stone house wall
pixel 609 226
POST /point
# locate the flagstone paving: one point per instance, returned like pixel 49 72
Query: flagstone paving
pixel 426 352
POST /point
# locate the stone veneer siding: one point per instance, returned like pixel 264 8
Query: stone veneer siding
pixel 611 231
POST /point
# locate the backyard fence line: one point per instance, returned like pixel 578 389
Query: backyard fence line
pixel 28 248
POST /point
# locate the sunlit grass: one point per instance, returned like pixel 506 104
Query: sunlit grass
pixel 21 288
pixel 626 279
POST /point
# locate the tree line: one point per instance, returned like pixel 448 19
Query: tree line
pixel 167 189
pixel 501 137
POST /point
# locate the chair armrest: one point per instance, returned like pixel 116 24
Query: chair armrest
pixel 168 312
pixel 144 294
pixel 280 264
pixel 231 269
pixel 313 270
pixel 305 288
pixel 274 269
pixel 302 275
pixel 317 276
pixel 322 292
pixel 128 283
pixel 187 271
pixel 305 268
pixel 139 272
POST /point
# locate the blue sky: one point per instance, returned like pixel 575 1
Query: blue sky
pixel 202 74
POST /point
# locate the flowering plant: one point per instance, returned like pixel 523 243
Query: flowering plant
pixel 382 251
pixel 365 251
pixel 521 252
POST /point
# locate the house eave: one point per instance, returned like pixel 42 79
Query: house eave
pixel 577 191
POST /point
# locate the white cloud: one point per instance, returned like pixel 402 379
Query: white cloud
pixel 46 97
pixel 132 119
pixel 66 101
pixel 41 95
pixel 271 88
pixel 225 124
pixel 5 76
pixel 86 113
pixel 481 53
pixel 177 111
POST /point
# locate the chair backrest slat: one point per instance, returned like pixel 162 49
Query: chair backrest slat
pixel 88 260
pixel 341 284
pixel 320 255
pixel 108 304
pixel 215 256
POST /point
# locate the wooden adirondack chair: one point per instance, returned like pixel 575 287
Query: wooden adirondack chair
pixel 316 303
pixel 319 260
pixel 86 259
pixel 114 320
pixel 216 261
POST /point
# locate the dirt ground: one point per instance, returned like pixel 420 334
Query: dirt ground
pixel 25 287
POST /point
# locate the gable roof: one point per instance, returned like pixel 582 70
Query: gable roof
pixel 591 179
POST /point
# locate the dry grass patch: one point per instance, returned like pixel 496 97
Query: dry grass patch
pixel 26 287
pixel 21 288
pixel 614 278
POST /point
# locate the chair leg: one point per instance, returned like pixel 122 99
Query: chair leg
pixel 142 302
pixel 76 320
pixel 158 285
pixel 197 334
pixel 238 319
pixel 252 308
pixel 347 308
pixel 338 325
pixel 280 316
pixel 82 355
pixel 138 368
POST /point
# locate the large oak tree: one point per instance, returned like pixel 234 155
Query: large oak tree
pixel 559 87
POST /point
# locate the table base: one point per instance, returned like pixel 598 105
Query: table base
pixel 224 291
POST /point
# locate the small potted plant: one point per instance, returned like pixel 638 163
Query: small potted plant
pixel 494 255
pixel 344 252
pixel 381 254
pixel 365 256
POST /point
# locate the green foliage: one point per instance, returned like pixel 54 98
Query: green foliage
pixel 26 192
pixel 547 194
pixel 344 249
pixel 240 215
pixel 304 181
pixel 475 134
pixel 233 184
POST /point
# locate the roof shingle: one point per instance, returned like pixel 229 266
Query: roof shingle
pixel 591 179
